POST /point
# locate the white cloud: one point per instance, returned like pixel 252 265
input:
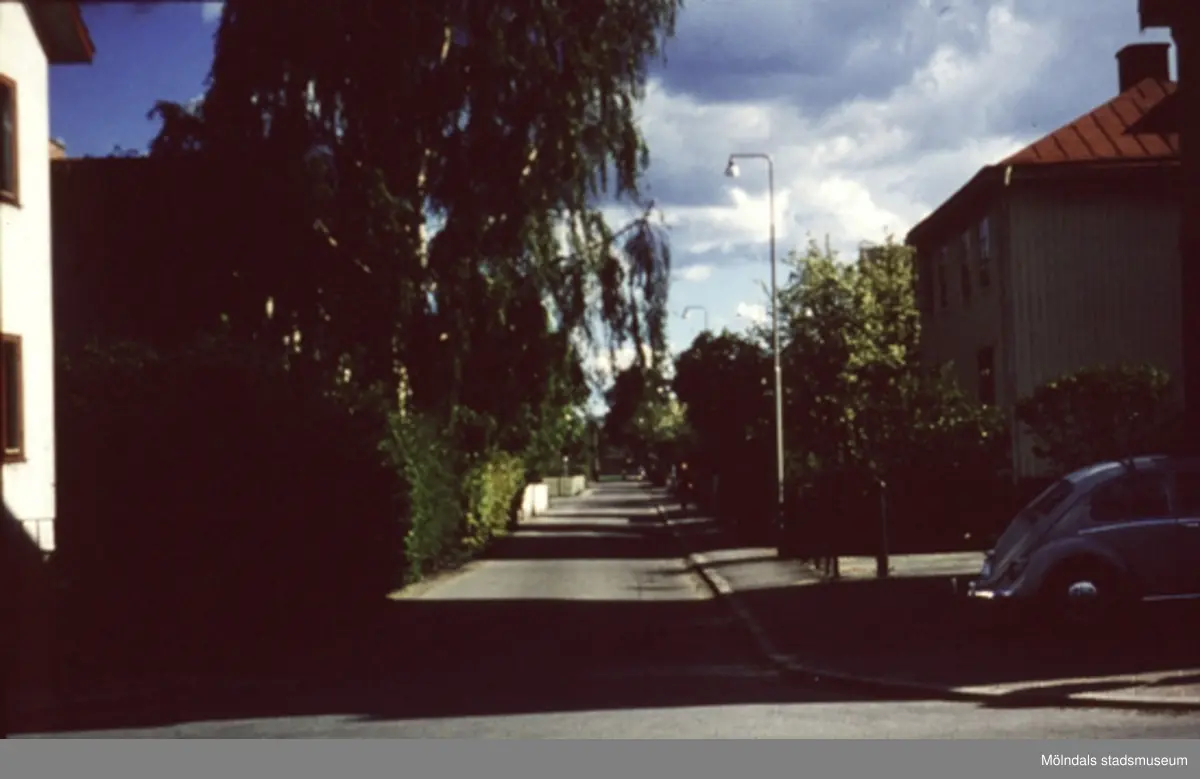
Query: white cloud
pixel 755 312
pixel 694 273
pixel 211 12
pixel 912 106
pixel 874 113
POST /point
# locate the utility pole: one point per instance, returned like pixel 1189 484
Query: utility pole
pixel 731 170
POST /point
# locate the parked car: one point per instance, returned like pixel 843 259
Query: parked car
pixel 1104 538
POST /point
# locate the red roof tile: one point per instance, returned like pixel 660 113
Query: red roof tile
pixel 1111 132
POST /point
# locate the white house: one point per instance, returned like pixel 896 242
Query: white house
pixel 33 36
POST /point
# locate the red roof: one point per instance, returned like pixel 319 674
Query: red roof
pixel 1122 129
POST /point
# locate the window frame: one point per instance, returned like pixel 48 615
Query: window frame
pixel 12 196
pixel 14 454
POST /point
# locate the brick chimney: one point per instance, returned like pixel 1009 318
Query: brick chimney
pixel 1139 61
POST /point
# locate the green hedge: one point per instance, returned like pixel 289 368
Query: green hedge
pixel 491 486
pixel 425 455
pixel 457 504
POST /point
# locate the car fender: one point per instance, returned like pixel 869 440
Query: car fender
pixel 1057 555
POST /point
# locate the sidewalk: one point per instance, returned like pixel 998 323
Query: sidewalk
pixel 911 634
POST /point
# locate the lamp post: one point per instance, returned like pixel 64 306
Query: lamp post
pixel 731 170
pixel 701 309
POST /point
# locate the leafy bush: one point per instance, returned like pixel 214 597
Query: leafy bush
pixel 457 503
pixel 1098 413
pixel 424 453
pixel 491 485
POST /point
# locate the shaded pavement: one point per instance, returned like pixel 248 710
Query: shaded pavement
pixel 586 623
pixel 913 628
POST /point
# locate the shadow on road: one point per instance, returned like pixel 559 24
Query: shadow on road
pixel 432 659
pixel 916 628
pixel 650 642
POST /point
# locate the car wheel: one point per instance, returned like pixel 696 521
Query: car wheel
pixel 1083 596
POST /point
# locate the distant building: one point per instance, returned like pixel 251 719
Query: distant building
pixel 1064 255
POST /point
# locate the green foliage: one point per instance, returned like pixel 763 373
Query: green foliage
pixel 501 122
pixel 1098 413
pixel 723 383
pixel 425 455
pixel 859 406
pixel 644 417
pixel 422 160
pixel 858 394
pixel 492 483
pixel 851 360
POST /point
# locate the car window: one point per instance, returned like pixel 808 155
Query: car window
pixel 1187 493
pixel 1131 497
pixel 1050 499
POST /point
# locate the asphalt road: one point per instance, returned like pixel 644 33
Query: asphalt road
pixel 585 624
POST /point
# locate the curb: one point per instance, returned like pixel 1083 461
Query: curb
pixel 785 664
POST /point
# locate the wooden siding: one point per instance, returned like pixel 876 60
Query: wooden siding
pixel 955 333
pixel 1095 281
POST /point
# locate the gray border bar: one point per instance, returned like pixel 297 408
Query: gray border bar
pixel 553 760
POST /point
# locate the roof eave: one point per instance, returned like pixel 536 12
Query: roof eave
pixel 1007 173
pixel 62 32
pixel 974 189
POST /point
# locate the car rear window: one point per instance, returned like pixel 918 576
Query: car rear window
pixel 1051 499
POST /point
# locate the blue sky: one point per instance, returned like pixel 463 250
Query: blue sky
pixel 162 53
pixel 874 111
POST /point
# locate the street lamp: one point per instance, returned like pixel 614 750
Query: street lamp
pixel 731 170
pixel 701 309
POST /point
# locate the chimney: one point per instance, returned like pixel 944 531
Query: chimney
pixel 58 149
pixel 1140 61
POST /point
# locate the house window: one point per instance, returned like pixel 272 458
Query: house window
pixel 985 252
pixel 965 275
pixel 12 422
pixel 986 360
pixel 8 140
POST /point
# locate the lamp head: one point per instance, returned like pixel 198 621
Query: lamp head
pixel 731 170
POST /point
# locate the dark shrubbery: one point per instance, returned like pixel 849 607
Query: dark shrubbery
pixel 208 497
pixel 205 495
pixel 1100 413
